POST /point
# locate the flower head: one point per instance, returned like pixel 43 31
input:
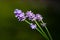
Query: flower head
pixel 30 15
pixel 19 14
pixel 39 17
pixel 33 26
pixel 21 17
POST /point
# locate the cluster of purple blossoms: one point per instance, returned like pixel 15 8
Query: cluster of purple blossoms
pixel 33 17
pixel 30 15
pixel 21 16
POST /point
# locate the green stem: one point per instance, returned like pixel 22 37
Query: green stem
pixel 41 33
pixel 27 22
pixel 41 29
pixel 47 31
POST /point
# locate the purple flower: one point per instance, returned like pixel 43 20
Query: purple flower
pixel 20 15
pixel 39 17
pixel 30 15
pixel 17 12
pixel 33 26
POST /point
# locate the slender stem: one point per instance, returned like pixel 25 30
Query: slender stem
pixel 39 26
pixel 41 33
pixel 41 29
pixel 47 31
pixel 27 22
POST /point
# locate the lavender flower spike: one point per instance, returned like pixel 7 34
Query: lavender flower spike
pixel 19 14
pixel 30 15
pixel 39 17
pixel 21 17
pixel 33 26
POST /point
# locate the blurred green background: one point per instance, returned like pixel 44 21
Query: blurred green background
pixel 12 29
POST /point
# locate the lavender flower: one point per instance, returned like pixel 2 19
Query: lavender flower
pixel 20 15
pixel 30 15
pixel 33 26
pixel 17 12
pixel 39 17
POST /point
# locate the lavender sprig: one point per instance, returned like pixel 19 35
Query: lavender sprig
pixel 21 16
pixel 38 17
